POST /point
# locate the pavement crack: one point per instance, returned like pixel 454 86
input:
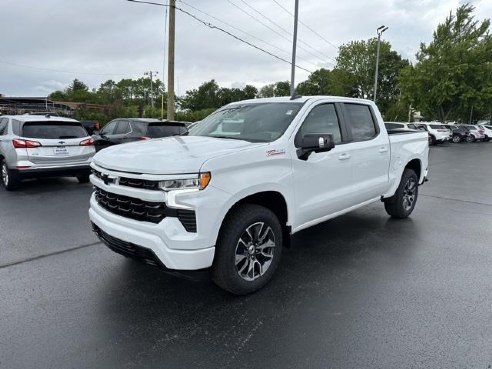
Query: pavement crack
pixel 458 200
pixel 48 255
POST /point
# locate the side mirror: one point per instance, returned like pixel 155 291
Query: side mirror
pixel 313 142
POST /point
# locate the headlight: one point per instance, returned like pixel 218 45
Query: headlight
pixel 200 182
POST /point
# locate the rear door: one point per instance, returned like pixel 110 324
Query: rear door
pixel 60 142
pixel 370 152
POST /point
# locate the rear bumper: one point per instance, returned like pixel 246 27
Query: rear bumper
pixel 65 171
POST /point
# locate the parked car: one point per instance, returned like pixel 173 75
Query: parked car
pixel 124 130
pixel 438 133
pixel 487 130
pixel 91 126
pixel 34 146
pixel 459 132
pixel 476 133
pixel 229 195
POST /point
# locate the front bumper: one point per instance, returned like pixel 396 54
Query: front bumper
pixel 173 246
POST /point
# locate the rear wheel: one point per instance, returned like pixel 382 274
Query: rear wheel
pixel 402 203
pixel 248 249
pixel 432 140
pixel 470 138
pixel 9 179
pixel 456 139
pixel 83 178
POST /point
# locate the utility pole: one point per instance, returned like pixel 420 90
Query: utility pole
pixel 380 31
pixel 151 74
pixel 170 60
pixel 294 47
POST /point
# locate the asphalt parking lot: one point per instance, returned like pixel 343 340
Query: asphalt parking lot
pixel 359 291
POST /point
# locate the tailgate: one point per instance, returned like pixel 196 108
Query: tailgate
pixel 60 142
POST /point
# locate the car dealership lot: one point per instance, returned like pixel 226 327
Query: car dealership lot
pixel 361 290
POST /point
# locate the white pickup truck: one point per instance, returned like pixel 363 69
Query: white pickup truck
pixel 229 195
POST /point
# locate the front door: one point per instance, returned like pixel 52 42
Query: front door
pixel 322 183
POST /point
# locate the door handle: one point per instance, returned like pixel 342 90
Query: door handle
pixel 344 156
pixel 383 149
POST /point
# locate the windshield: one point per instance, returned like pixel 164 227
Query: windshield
pixel 262 122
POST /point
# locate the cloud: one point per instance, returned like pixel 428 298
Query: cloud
pixel 114 39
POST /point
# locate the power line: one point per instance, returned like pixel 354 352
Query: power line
pixel 270 28
pixel 61 71
pixel 305 25
pixel 212 26
pixel 242 31
pixel 283 29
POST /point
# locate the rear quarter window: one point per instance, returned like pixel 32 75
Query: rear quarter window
pixel 53 130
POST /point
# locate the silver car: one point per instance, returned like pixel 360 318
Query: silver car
pixel 33 146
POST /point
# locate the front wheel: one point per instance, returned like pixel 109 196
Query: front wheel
pixel 248 249
pixel 456 139
pixel 9 179
pixel 470 138
pixel 402 203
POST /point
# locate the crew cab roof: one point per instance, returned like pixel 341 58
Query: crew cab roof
pixel 301 99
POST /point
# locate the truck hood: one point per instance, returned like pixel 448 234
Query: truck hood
pixel 169 155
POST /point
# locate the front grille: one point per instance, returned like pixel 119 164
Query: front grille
pixel 130 207
pixel 131 182
pixel 139 183
pixel 137 209
pixel 128 249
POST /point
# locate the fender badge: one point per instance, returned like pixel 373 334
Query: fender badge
pixel 275 152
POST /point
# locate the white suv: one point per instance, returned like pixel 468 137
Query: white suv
pixel 487 130
pixel 438 133
pixel 33 146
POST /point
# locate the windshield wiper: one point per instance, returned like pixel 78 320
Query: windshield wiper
pixel 231 137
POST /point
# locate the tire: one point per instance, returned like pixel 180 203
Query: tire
pixel 470 138
pixel 402 203
pixel 238 263
pixel 432 140
pixel 9 179
pixel 486 139
pixel 456 139
pixel 83 178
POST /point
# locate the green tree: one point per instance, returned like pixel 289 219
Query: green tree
pixel 357 60
pixel 325 82
pixel 205 96
pixel 452 79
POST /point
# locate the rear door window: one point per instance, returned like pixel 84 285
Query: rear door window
pixel 53 130
pixel 122 128
pixel 156 130
pixel 361 122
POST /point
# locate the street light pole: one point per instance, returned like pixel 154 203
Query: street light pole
pixel 380 31
pixel 294 47
pixel 170 60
